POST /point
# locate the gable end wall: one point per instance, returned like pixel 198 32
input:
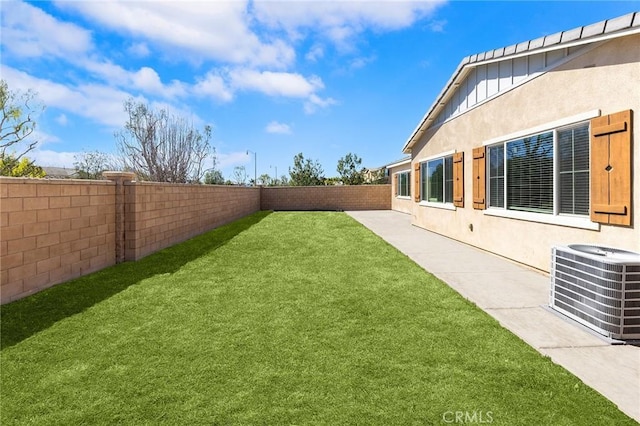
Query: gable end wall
pixel 606 79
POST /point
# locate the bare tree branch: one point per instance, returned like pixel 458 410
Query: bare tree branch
pixel 161 147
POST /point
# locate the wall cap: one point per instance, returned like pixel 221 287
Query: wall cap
pixel 119 175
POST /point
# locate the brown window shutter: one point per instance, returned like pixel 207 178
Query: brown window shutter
pixel 611 169
pixel 458 179
pixel 479 176
pixel 395 184
pixel 416 182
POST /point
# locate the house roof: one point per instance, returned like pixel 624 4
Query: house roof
pixel 600 31
pixel 59 172
pixel 400 162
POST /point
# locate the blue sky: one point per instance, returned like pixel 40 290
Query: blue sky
pixel 274 77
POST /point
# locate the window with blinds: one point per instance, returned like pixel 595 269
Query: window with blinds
pixel 530 174
pixel 496 176
pixel 521 172
pixel 573 170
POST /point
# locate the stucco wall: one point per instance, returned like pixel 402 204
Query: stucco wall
pixel 53 231
pixel 347 197
pixel 398 203
pixel 606 78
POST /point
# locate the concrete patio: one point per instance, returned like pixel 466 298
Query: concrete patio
pixel 518 298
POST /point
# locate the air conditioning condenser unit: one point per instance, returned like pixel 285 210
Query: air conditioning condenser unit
pixel 599 287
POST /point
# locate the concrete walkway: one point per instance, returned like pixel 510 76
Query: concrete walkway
pixel 517 297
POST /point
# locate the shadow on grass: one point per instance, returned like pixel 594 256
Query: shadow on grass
pixel 26 317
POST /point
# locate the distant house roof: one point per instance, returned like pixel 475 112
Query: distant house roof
pixel 60 173
pixel 601 31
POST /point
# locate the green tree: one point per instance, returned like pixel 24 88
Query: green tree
pixel 23 167
pixel 91 165
pixel 16 126
pixel 213 177
pixel 350 171
pixel 334 180
pixel 305 172
pixel 265 179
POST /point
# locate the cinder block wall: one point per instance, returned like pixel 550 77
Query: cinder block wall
pixel 347 197
pixel 55 230
pixel 52 231
pixel 160 215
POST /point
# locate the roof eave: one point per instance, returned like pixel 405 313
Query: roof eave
pixel 398 163
pixel 441 100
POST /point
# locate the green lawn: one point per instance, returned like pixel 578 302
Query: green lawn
pixel 276 319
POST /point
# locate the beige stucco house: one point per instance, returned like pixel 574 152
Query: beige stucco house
pixel 533 145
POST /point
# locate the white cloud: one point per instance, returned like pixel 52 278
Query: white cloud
pixel 275 83
pixel 437 26
pixel 315 53
pixel 213 85
pixel 278 128
pixel 361 62
pixel 49 158
pixel 41 138
pixel 102 104
pixel 231 31
pixel 205 30
pixel 145 79
pixel 180 111
pixel 341 20
pixel 140 50
pixel 106 70
pixel 231 159
pixel 315 102
pixel 285 84
pixel 30 32
pixel 254 58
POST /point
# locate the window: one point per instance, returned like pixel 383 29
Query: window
pixel 530 174
pixel 437 180
pixel 521 172
pixel 573 169
pixel 496 176
pixel 404 185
